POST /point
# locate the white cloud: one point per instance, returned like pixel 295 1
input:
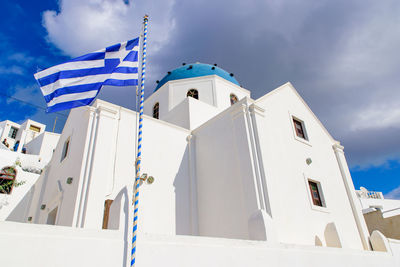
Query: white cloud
pixel 27 102
pixel 16 63
pixel 341 55
pixel 28 93
pixel 20 58
pixel 377 117
pixel 394 194
pixel 13 69
pixel 85 26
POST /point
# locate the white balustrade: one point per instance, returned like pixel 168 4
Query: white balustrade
pixel 369 194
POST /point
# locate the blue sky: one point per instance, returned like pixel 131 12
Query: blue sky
pixel 24 49
pixel 342 57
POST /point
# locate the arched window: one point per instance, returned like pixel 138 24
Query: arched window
pixel 233 98
pixel 193 93
pixel 7 179
pixel 156 110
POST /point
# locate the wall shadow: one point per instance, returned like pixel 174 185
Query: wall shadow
pixel 182 197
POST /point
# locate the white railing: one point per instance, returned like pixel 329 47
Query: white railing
pixel 376 195
pixel 364 193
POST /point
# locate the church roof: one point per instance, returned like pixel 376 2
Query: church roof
pixel 196 70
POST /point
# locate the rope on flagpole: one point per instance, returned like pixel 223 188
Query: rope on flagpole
pixel 139 147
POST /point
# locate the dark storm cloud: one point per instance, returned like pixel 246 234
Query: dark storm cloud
pixel 340 55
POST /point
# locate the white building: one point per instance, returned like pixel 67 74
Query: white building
pixel 22 134
pixel 380 213
pixel 8 132
pixel 237 181
pixel 26 163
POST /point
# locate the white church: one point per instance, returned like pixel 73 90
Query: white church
pixel 237 182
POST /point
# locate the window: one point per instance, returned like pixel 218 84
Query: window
pixel 7 179
pixel 315 193
pixel 299 128
pixel 13 132
pixel 34 128
pixel 193 93
pixel 233 98
pixel 65 150
pixel 156 110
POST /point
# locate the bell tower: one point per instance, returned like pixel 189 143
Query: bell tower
pixel 192 94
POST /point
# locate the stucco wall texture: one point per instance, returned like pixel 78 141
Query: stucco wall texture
pixel 390 227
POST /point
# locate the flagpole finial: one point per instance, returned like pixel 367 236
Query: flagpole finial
pixel 146 17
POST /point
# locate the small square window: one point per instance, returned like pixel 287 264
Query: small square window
pixel 315 191
pixel 299 128
pixel 34 128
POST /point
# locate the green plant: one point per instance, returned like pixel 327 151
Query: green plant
pixel 17 162
pixel 5 188
pixel 8 180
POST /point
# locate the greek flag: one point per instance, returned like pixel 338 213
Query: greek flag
pixel 78 81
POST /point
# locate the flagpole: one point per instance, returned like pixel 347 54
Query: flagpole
pixel 139 147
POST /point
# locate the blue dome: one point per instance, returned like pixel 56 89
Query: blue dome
pixel 195 70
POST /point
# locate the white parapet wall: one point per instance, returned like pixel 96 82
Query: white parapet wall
pixel 43 145
pixel 395 249
pixel 14 206
pixel 9 158
pixel 44 245
pixel 59 246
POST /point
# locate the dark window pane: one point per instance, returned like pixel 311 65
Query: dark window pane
pixel 299 129
pixel 156 111
pixel 65 150
pixel 233 98
pixel 315 195
pixel 193 93
pixel 13 132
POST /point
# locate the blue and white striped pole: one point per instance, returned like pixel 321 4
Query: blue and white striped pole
pixel 139 148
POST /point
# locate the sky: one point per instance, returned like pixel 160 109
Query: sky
pixel 342 56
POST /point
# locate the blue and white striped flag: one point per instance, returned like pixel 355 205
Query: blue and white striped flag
pixel 78 81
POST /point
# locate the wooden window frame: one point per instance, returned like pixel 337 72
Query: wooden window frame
pixel 313 205
pixel 299 128
pixel 9 177
pixel 324 208
pixel 315 193
pixel 305 141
